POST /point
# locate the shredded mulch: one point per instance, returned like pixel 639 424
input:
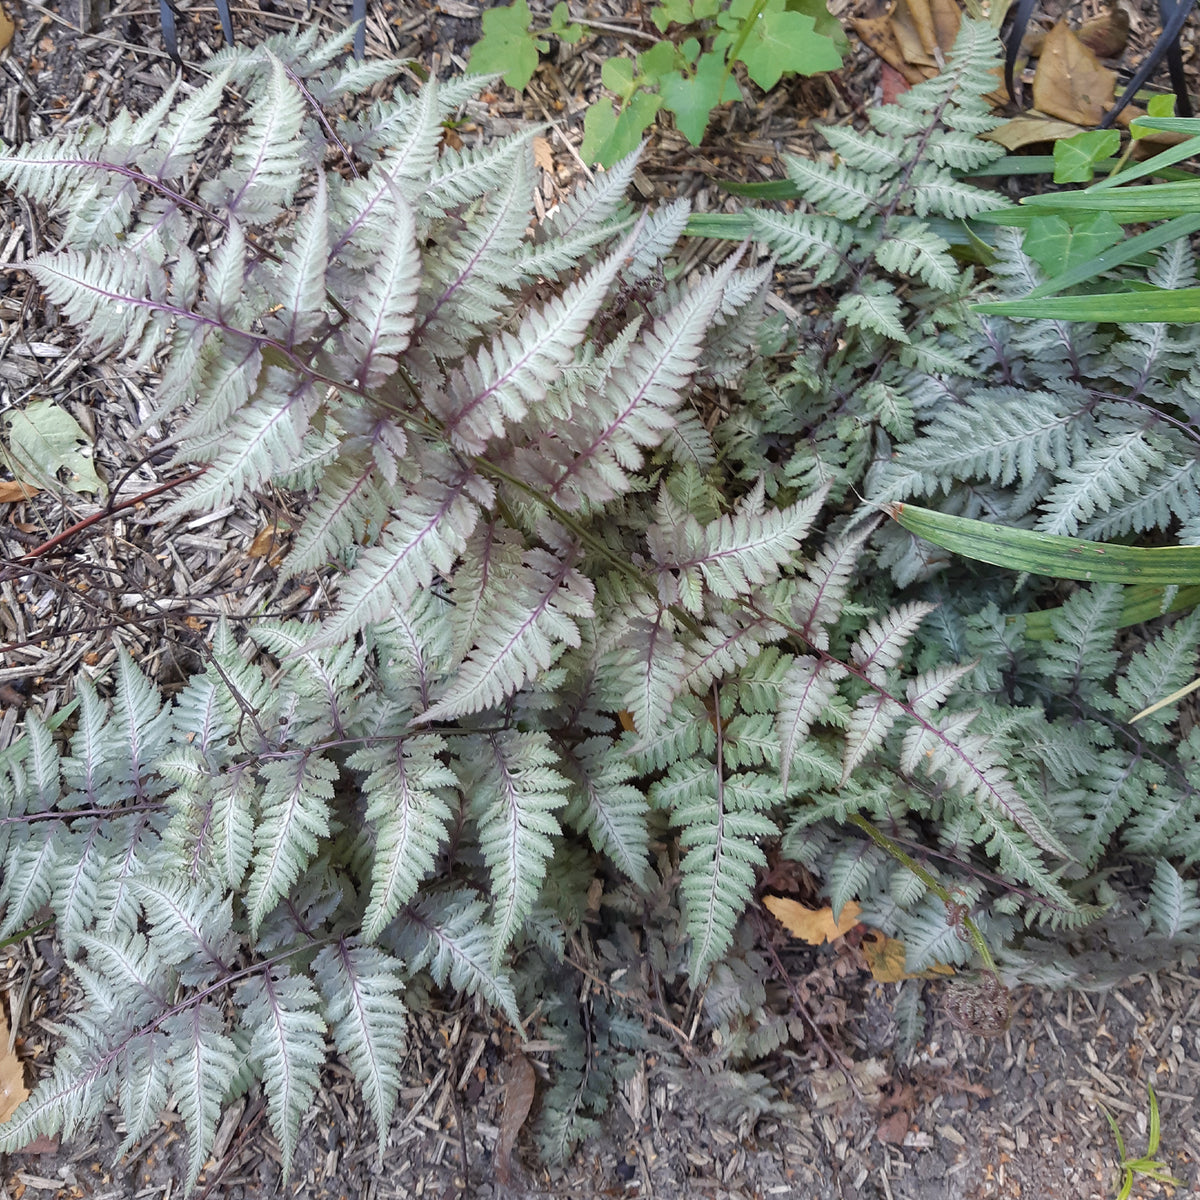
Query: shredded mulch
pixel 965 1117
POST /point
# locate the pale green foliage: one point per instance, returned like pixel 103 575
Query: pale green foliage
pixel 574 635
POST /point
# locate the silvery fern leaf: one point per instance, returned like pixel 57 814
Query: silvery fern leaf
pixel 404 785
pixel 500 383
pixel 287 1045
pixel 360 988
pixel 425 537
pixel 878 649
pixel 293 815
pixel 203 1061
pixel 813 242
pixel 370 341
pixel 634 411
pixel 122 301
pixel 529 627
pixel 300 280
pixel 447 935
pixel 267 158
pixel 606 804
pixel 514 791
pixel 1174 905
pixel 805 690
pixel 841 191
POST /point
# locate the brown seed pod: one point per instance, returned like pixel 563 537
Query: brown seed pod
pixel 983 1007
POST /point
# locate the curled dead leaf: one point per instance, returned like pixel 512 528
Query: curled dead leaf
pixel 816 926
pixel 1029 129
pixel 519 1091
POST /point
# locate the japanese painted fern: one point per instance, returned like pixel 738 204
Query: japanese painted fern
pixel 568 619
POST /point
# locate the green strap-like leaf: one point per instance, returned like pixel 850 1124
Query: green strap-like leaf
pixel 1051 554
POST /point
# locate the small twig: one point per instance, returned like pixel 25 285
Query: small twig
pixel 839 1056
pixel 103 514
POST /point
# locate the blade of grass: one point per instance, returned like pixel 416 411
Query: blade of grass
pixel 1178 306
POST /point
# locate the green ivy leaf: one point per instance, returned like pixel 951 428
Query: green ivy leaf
pixel 783 41
pixel 827 25
pixel 618 76
pixel 1156 106
pixel 669 12
pixel 562 26
pixel 659 61
pixel 1057 245
pixel 44 439
pixel 692 98
pixel 1075 158
pixel 508 47
pixel 609 136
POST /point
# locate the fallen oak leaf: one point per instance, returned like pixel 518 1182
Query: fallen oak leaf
pixel 816 926
pixel 1070 81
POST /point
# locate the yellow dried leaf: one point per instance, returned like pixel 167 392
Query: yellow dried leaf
pixel 886 957
pixel 816 926
pixel 7 29
pixel 12 1075
pixel 1070 82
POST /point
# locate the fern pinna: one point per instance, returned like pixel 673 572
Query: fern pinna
pixel 528 529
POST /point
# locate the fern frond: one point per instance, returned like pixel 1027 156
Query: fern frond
pixel 203 1061
pixel 447 934
pixel 426 536
pixel 267 159
pixel 514 790
pixel 360 987
pixel 1174 903
pixel 527 630
pixel 287 1044
pixel 294 814
pixel 403 784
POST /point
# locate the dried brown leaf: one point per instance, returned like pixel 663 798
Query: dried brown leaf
pixel 1029 129
pixel 12 490
pixel 542 154
pixel 7 29
pixel 1106 35
pixel 12 1075
pixel 877 34
pixel 916 44
pixel 891 1130
pixel 521 1086
pixel 947 17
pixel 1070 81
